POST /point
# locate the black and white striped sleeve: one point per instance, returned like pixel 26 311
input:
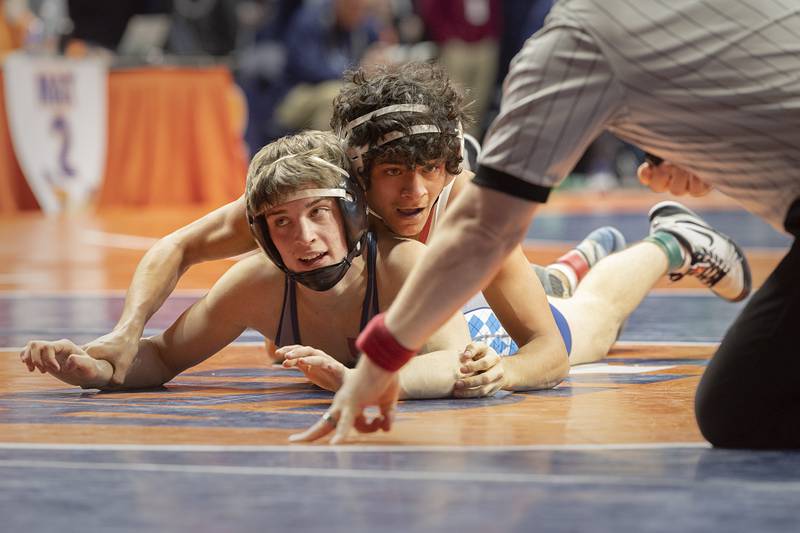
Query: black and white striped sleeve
pixel 558 97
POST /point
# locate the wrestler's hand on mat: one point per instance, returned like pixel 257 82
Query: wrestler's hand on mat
pixel 366 386
pixel 66 361
pixel 320 368
pixel 483 372
pixel 118 348
pixel 668 177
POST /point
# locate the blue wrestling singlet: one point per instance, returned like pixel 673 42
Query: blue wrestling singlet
pixel 288 328
pixel 485 327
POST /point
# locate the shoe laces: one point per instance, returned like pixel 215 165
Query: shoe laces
pixel 706 266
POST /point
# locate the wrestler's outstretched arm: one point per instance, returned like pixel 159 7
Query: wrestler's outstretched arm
pixel 207 326
pixel 221 233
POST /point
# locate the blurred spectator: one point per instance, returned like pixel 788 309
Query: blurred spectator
pixel 262 54
pixel 405 20
pixel 204 27
pixel 281 13
pixel 15 17
pixel 599 163
pixel 36 25
pixel 521 19
pixel 322 42
pixel 610 163
pixel 103 23
pixel 402 32
pixel 467 32
pixel 323 39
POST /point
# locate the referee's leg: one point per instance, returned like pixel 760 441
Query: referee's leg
pixel 749 396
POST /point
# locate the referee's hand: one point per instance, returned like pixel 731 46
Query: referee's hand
pixel 668 177
pixel 366 386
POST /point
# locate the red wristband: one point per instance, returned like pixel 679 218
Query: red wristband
pixel 381 347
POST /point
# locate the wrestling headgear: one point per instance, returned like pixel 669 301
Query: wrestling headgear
pixel 353 207
pixel 356 153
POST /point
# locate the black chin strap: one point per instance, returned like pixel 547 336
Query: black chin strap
pixel 322 279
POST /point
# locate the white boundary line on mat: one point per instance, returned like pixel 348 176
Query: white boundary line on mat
pixel 356 448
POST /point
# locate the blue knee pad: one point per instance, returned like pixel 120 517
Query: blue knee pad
pixel 485 327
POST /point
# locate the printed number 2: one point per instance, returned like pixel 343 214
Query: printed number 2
pixel 61 127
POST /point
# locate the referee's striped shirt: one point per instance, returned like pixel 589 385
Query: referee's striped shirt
pixel 710 85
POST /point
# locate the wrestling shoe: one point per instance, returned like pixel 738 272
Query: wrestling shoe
pixel 561 278
pixel 712 257
pixel 601 243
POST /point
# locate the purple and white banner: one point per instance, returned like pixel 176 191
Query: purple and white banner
pixel 57 115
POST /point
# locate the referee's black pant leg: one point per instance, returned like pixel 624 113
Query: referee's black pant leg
pixel 749 396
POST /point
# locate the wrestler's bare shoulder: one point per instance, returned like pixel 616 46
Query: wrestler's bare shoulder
pixel 397 255
pixel 250 276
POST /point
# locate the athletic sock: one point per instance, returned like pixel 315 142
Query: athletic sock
pixel 573 266
pixel 676 256
pixel 569 270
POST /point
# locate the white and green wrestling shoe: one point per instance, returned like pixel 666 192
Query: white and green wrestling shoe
pixel 712 257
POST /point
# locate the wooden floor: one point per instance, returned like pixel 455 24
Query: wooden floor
pixel 65 277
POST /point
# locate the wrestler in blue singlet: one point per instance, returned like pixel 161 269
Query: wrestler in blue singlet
pixel 288 328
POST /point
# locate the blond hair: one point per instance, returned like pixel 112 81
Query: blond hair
pixel 292 163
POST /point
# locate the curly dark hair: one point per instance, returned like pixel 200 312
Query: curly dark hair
pixel 412 83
